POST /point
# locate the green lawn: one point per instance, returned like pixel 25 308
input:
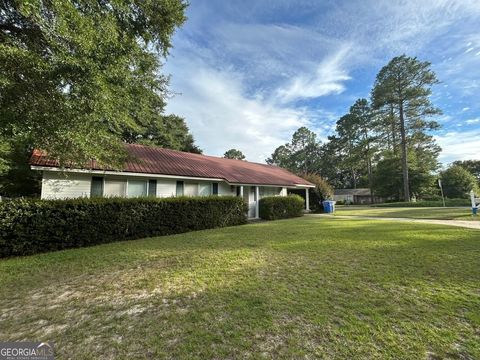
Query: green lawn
pixel 452 213
pixel 301 288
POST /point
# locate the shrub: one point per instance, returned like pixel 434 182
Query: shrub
pixel 458 182
pixel 33 226
pixel 322 191
pixel 281 207
pixel 427 203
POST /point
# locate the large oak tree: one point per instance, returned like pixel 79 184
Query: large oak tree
pixel 78 77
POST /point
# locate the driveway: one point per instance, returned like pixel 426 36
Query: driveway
pixel 458 223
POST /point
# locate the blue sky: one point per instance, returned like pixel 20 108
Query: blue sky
pixel 246 74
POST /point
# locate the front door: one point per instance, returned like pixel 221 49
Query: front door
pixel 249 197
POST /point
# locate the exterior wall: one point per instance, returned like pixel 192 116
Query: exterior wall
pixel 57 185
pixel 346 198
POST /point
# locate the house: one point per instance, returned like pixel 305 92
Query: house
pixel 355 196
pixel 154 171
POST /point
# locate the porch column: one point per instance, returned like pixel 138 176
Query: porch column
pixel 307 200
pixel 241 191
pixel 257 198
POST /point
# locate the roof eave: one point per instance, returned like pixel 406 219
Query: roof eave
pixel 152 175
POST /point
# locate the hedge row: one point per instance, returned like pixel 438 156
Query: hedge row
pixel 34 226
pixel 281 207
pixel 427 203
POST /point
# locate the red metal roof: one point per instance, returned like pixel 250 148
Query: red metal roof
pixel 156 160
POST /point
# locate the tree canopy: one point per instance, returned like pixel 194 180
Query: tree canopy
pixel 234 154
pixel 458 182
pixel 79 76
pixel 384 143
pixel 472 166
pixel 300 155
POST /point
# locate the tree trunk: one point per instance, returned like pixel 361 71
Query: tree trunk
pixel 392 124
pixel 369 163
pixel 370 175
pixel 370 181
pixel 406 188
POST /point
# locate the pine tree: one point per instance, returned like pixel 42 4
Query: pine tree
pixel 403 87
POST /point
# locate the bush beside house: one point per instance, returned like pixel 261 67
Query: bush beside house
pixel 34 226
pixel 281 207
pixel 321 192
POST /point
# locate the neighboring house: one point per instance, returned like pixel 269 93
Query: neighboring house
pixel 154 171
pixel 355 196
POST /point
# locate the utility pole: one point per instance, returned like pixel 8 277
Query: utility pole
pixel 441 189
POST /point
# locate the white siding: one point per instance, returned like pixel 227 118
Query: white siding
pixel 166 187
pixel 57 185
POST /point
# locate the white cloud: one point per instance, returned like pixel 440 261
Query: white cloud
pixel 240 73
pixel 221 116
pixel 328 79
pixel 473 121
pixel 459 145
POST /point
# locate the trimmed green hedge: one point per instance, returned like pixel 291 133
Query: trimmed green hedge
pixel 281 207
pixel 34 226
pixel 427 203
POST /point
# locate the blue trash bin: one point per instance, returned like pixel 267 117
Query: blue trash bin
pixel 474 210
pixel 326 207
pixel 329 206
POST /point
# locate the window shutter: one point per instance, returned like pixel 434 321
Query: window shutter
pixel 96 189
pixel 180 188
pixel 152 188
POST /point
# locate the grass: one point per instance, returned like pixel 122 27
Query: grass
pixel 452 213
pixel 301 288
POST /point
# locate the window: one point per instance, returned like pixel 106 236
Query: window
pixel 96 189
pixel 204 189
pixel 180 186
pixel 152 188
pixel 215 188
pixel 115 188
pixel 137 188
pixel 238 190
